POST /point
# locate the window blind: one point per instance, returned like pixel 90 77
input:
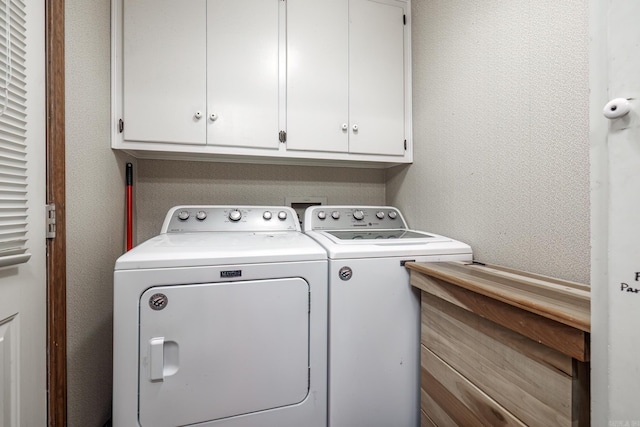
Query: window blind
pixel 13 122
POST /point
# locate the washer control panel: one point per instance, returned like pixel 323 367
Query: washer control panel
pixel 183 219
pixel 353 217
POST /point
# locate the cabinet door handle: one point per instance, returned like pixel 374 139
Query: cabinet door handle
pixel 198 115
pixel 355 128
pixel 213 117
pixel 345 126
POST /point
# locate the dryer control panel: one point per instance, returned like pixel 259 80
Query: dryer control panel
pixel 185 219
pixel 353 217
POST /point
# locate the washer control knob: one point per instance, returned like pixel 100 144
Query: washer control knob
pixel 322 215
pixel 359 215
pixel 235 215
pixel 267 215
pixel 183 215
pixel 393 214
pixel 201 215
pixel 380 215
pixel 335 214
pixel 282 215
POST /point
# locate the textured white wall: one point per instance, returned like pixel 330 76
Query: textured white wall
pixel 162 184
pixel 501 133
pixel 95 211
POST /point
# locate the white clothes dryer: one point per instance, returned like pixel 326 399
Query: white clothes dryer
pixel 221 321
pixel 374 313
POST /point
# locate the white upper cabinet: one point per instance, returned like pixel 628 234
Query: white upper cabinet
pixel 376 78
pixel 242 73
pixel 165 71
pixel 272 81
pixel 201 72
pixel 346 76
pixel 318 75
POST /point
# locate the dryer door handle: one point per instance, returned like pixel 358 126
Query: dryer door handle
pixel 156 359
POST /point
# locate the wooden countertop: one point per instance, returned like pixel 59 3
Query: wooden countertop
pixel 565 302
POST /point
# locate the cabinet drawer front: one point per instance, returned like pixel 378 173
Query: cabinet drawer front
pixel 451 399
pixel 531 381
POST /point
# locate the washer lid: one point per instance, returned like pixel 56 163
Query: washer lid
pixel 381 235
pixel 373 231
pixel 220 248
pixel 342 244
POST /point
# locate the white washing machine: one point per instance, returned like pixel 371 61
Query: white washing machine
pixel 221 321
pixel 374 313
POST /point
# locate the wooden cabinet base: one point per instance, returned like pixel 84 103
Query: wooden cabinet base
pixel 485 362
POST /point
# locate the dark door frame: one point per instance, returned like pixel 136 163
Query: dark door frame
pixel 56 247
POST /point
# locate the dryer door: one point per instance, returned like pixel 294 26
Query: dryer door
pixel 218 350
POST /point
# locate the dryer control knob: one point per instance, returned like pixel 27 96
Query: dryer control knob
pixel 359 215
pixel 393 214
pixel 380 215
pixel 235 215
pixel 335 214
pixel 322 215
pixel 267 215
pixel 282 215
pixel 183 215
pixel 201 215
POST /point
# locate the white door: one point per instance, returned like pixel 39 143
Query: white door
pixel 615 182
pixel 23 286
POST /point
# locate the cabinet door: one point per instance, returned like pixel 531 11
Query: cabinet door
pixel 164 83
pixel 376 77
pixel 242 73
pixel 317 75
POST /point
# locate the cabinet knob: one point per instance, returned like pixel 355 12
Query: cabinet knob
pixel 198 115
pixel 213 117
pixel 345 126
pixel 355 128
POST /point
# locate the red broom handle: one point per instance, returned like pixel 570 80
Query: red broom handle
pixel 129 206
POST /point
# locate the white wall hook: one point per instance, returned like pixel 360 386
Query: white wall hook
pixel 616 108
